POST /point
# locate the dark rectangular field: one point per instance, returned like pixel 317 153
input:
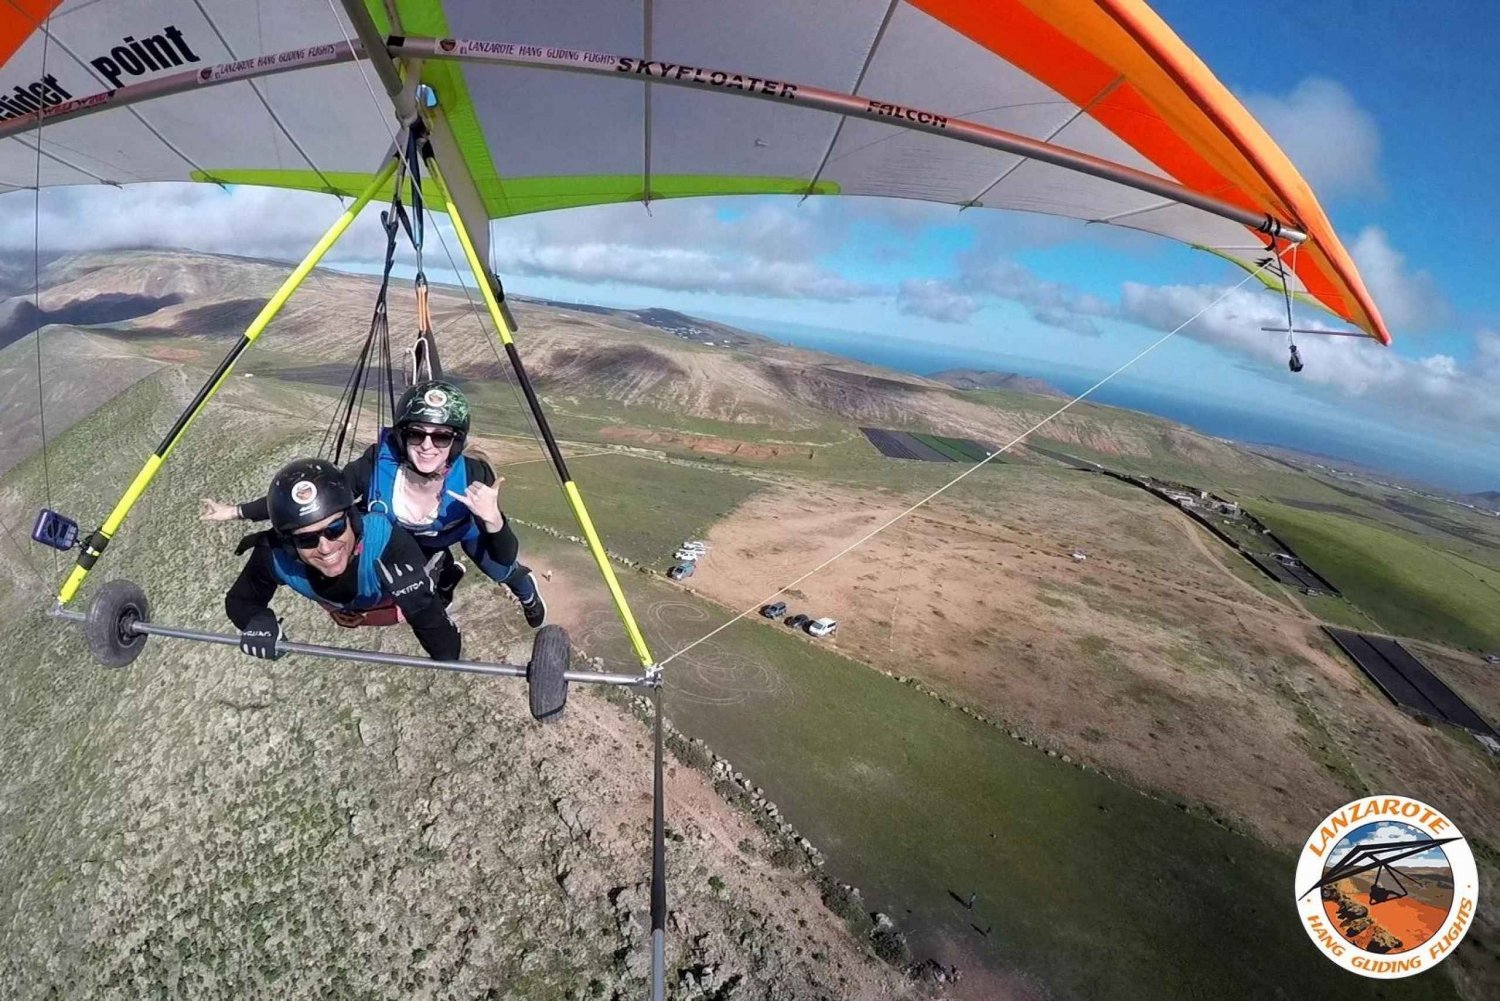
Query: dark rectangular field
pixel 926 447
pixel 1063 457
pixel 1298 576
pixel 1407 682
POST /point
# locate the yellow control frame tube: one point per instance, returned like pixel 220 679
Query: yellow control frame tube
pixel 570 489
pixel 94 547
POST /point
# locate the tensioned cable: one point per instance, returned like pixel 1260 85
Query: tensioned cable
pixel 380 109
pixel 25 558
pixel 36 293
pixel 1012 444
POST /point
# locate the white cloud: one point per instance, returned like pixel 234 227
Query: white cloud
pixel 936 300
pixel 1438 386
pixel 1051 303
pixel 1332 140
pixel 765 249
pixel 768 248
pixel 253 222
pixel 1384 834
pixel 1409 300
pixel 679 269
pixel 1441 365
pixel 1487 355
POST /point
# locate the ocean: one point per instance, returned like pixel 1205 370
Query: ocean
pixel 1462 466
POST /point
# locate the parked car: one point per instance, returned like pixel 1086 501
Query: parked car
pixel 775 610
pixel 822 627
pixel 680 571
pixel 697 544
pixel 796 621
pixel 689 555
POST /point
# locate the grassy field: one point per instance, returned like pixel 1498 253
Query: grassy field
pixel 1092 888
pixel 1409 588
pixel 643 508
pixel 1095 890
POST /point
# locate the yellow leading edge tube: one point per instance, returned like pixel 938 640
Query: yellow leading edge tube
pixel 94 546
pixel 570 489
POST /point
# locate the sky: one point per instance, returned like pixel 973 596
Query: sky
pixel 1384 106
pixel 1383 834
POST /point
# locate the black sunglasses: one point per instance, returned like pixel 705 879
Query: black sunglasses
pixel 309 540
pixel 440 439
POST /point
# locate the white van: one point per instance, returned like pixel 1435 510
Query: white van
pixel 822 627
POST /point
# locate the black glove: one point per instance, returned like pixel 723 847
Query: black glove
pixel 404 581
pixel 260 635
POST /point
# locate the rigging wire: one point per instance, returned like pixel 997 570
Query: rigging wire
pixel 474 308
pixel 36 294
pixel 25 557
pixel 964 475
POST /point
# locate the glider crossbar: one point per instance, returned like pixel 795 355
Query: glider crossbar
pixel 1312 330
pixel 95 545
pixel 505 327
pixel 367 656
pixel 270 64
pixel 800 95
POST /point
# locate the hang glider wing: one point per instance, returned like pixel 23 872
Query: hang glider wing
pixel 1091 109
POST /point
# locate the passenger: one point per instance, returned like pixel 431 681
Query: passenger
pixel 362 570
pixel 417 476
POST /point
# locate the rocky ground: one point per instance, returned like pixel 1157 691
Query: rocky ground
pixel 204 825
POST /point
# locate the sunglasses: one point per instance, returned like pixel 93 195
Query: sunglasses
pixel 309 540
pixel 440 439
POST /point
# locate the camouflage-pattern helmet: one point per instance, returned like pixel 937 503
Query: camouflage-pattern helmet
pixel 435 402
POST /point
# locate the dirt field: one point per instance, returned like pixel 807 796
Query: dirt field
pixel 700 443
pixel 1149 658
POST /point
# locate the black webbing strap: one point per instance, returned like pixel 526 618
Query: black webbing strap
pixel 376 349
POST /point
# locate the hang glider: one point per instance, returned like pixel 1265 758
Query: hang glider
pixel 1091 109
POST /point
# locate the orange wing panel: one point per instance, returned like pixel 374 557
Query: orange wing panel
pixel 1172 110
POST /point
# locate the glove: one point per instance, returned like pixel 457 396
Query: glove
pixel 403 581
pixel 260 635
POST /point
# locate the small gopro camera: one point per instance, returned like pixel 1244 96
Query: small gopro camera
pixel 55 530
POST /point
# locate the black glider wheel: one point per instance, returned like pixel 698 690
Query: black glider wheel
pixel 114 610
pixel 544 675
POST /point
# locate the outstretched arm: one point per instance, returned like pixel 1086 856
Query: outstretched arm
pixel 356 474
pixel 214 510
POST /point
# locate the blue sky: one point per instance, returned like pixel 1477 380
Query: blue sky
pixel 1384 106
pixel 1385 113
pixel 1388 833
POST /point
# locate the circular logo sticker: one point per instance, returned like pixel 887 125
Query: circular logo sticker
pixel 1387 887
pixel 435 398
pixel 303 492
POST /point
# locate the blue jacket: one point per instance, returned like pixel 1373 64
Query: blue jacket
pixel 453 522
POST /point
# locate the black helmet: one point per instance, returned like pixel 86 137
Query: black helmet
pixel 306 491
